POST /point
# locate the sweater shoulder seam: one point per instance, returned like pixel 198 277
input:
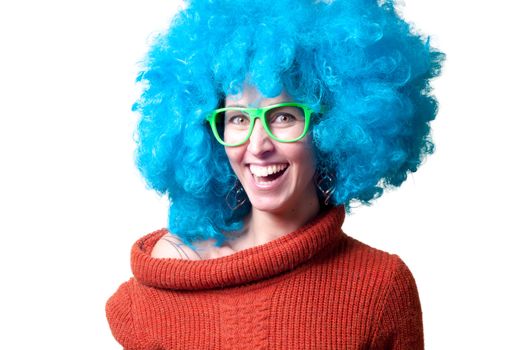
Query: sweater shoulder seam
pixel 396 264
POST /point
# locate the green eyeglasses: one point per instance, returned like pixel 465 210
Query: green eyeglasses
pixel 283 122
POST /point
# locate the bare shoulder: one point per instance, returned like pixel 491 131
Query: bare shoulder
pixel 171 246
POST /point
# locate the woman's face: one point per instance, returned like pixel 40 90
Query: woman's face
pixel 277 177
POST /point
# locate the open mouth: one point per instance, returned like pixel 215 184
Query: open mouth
pixel 267 175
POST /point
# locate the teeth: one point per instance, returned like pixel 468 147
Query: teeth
pixel 263 171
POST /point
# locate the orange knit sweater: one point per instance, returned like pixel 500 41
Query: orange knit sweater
pixel 314 288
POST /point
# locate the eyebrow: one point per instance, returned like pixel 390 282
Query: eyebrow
pixel 240 106
pixel 256 102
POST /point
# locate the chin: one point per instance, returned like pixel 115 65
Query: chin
pixel 269 204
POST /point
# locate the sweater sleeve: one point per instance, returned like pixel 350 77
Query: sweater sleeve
pixel 400 325
pixel 119 315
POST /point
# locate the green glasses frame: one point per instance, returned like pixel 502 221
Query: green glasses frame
pixel 259 113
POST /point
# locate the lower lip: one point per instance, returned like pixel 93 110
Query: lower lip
pixel 271 185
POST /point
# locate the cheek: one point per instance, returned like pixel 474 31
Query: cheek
pixel 235 156
pixel 302 155
pixel 308 168
pixel 309 152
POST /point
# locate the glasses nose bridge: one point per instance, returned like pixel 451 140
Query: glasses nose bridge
pixel 255 114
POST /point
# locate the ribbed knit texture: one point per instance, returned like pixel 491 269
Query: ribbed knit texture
pixel 314 288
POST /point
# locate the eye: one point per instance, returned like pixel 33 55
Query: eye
pixel 283 118
pixel 237 119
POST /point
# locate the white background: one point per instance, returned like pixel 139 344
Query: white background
pixel 72 203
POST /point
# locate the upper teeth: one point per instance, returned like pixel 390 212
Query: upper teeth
pixel 266 170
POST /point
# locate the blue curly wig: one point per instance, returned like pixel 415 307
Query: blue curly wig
pixel 358 58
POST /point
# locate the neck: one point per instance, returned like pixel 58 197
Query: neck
pixel 263 227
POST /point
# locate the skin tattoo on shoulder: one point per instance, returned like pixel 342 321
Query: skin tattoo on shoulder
pixel 181 248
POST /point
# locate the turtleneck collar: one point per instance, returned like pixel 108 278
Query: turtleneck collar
pixel 248 265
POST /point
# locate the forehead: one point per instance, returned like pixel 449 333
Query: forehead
pixel 250 96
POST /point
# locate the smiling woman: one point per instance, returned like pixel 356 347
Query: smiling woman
pixel 262 132
pixel 275 173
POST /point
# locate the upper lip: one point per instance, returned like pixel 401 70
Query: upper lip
pixel 266 164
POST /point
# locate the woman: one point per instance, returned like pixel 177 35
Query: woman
pixel 262 121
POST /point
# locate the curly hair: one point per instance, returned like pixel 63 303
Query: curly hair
pixel 367 66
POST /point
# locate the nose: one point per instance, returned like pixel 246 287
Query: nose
pixel 259 142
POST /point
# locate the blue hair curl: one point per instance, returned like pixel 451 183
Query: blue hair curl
pixel 356 57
